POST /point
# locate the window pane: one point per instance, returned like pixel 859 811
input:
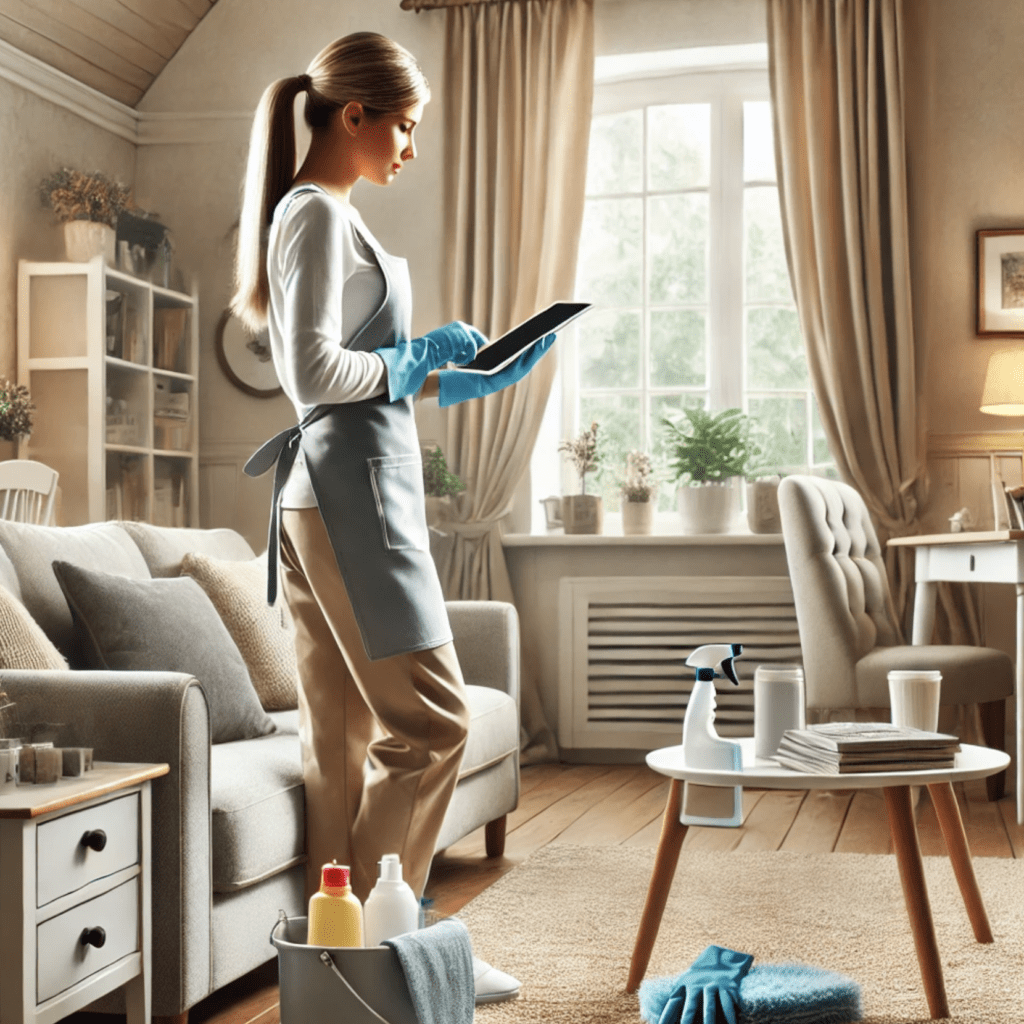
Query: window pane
pixel 609 348
pixel 775 349
pixel 678 244
pixel 610 252
pixel 781 424
pixel 614 161
pixel 678 145
pixel 764 250
pixel 618 420
pixel 678 348
pixel 758 142
pixel 821 452
pixel 660 404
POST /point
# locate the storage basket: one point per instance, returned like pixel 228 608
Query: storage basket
pixel 338 985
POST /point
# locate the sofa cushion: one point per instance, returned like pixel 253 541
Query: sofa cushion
pixel 257 803
pixel 164 625
pixel 22 643
pixel 263 634
pixel 163 547
pixel 33 549
pixel 493 729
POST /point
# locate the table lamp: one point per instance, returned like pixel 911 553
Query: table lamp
pixel 1004 384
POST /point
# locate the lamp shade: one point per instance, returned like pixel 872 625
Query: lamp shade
pixel 1004 384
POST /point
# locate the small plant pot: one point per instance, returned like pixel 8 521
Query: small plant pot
pixel 763 506
pixel 637 517
pixel 707 508
pixel 84 239
pixel 583 513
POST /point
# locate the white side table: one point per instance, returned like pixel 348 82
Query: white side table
pixel 75 919
pixel 971 763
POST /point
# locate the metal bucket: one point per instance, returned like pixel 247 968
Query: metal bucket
pixel 330 985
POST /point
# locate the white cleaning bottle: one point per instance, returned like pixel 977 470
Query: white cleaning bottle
pixel 391 908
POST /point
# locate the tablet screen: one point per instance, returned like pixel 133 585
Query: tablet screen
pixel 501 352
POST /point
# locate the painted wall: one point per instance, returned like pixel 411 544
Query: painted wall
pixel 38 138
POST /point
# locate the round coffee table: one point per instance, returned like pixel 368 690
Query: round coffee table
pixel 971 763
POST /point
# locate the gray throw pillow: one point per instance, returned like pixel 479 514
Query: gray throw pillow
pixel 164 625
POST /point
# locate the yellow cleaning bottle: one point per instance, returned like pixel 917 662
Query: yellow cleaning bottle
pixel 335 914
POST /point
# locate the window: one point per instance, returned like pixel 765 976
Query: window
pixel 682 254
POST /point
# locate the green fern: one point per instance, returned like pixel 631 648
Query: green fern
pixel 706 447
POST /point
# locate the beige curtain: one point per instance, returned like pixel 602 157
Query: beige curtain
pixel 837 90
pixel 519 80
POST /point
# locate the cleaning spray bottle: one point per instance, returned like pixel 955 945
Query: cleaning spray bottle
pixel 335 913
pixel 704 748
pixel 391 908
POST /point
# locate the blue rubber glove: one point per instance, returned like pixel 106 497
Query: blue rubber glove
pixel 708 992
pixel 458 386
pixel 409 362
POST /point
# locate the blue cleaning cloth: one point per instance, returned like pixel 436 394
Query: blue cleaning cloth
pixel 438 967
pixel 775 994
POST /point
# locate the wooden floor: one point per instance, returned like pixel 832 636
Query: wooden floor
pixel 613 804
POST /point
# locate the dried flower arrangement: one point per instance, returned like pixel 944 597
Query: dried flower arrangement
pixel 583 453
pixel 74 195
pixel 15 411
pixel 639 484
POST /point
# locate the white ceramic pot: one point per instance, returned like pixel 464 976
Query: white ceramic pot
pixel 583 513
pixel 708 507
pixel 637 517
pixel 763 506
pixel 84 239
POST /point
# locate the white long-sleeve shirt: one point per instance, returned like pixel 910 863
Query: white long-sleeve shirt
pixel 324 285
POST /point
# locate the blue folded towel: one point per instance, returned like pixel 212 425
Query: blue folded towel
pixel 776 994
pixel 438 967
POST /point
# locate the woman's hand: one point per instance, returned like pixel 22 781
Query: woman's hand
pixel 456 386
pixel 409 362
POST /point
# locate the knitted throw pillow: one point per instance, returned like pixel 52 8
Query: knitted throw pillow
pixel 264 634
pixel 23 644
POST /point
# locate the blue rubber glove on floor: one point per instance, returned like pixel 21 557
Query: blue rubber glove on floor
pixel 708 992
pixel 409 362
pixel 456 386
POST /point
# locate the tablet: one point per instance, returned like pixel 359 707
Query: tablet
pixel 498 354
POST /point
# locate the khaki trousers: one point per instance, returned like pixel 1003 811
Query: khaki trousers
pixel 382 741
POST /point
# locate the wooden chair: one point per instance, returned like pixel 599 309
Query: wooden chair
pixel 27 491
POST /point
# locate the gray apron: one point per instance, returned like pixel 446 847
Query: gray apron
pixel 365 466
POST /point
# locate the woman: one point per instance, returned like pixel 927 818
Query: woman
pixel 382 713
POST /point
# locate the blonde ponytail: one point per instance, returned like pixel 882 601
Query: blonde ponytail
pixel 370 68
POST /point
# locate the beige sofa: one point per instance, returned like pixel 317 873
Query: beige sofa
pixel 228 819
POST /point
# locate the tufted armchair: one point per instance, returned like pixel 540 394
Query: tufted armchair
pixel 849 632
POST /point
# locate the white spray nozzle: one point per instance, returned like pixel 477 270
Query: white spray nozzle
pixel 711 656
pixel 390 868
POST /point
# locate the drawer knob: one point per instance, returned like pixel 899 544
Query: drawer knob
pixel 95 840
pixel 93 937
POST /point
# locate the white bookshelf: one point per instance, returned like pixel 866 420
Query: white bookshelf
pixel 110 361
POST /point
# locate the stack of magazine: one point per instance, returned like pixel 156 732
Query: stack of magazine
pixel 840 748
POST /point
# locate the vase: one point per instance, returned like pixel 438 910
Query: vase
pixel 637 517
pixel 763 506
pixel 582 513
pixel 84 239
pixel 708 507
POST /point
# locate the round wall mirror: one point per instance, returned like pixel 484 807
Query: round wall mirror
pixel 245 358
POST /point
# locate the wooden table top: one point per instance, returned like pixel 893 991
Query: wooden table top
pixel 968 537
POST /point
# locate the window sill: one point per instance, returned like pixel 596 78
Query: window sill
pixel 613 537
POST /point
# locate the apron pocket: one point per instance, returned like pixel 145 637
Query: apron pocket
pixel 398 491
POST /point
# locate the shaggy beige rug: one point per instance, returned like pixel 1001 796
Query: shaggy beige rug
pixel 564 922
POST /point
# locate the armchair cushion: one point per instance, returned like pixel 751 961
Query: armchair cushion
pixel 164 625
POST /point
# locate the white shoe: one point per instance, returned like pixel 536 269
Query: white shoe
pixel 492 985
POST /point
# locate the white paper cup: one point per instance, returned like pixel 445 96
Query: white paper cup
pixel 9 774
pixel 778 705
pixel 914 698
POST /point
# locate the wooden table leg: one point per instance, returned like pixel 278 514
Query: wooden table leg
pixel 948 812
pixel 673 832
pixel 908 856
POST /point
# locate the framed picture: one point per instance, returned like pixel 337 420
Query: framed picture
pixel 245 359
pixel 1001 283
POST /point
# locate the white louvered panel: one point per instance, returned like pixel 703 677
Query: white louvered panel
pixel 625 640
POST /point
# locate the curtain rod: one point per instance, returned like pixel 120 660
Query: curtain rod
pixel 426 5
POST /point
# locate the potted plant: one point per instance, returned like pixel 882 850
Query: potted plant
pixel 583 513
pixel 638 489
pixel 88 206
pixel 15 411
pixel 440 485
pixel 708 451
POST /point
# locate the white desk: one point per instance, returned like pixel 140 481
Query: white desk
pixel 995 556
pixel 971 763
